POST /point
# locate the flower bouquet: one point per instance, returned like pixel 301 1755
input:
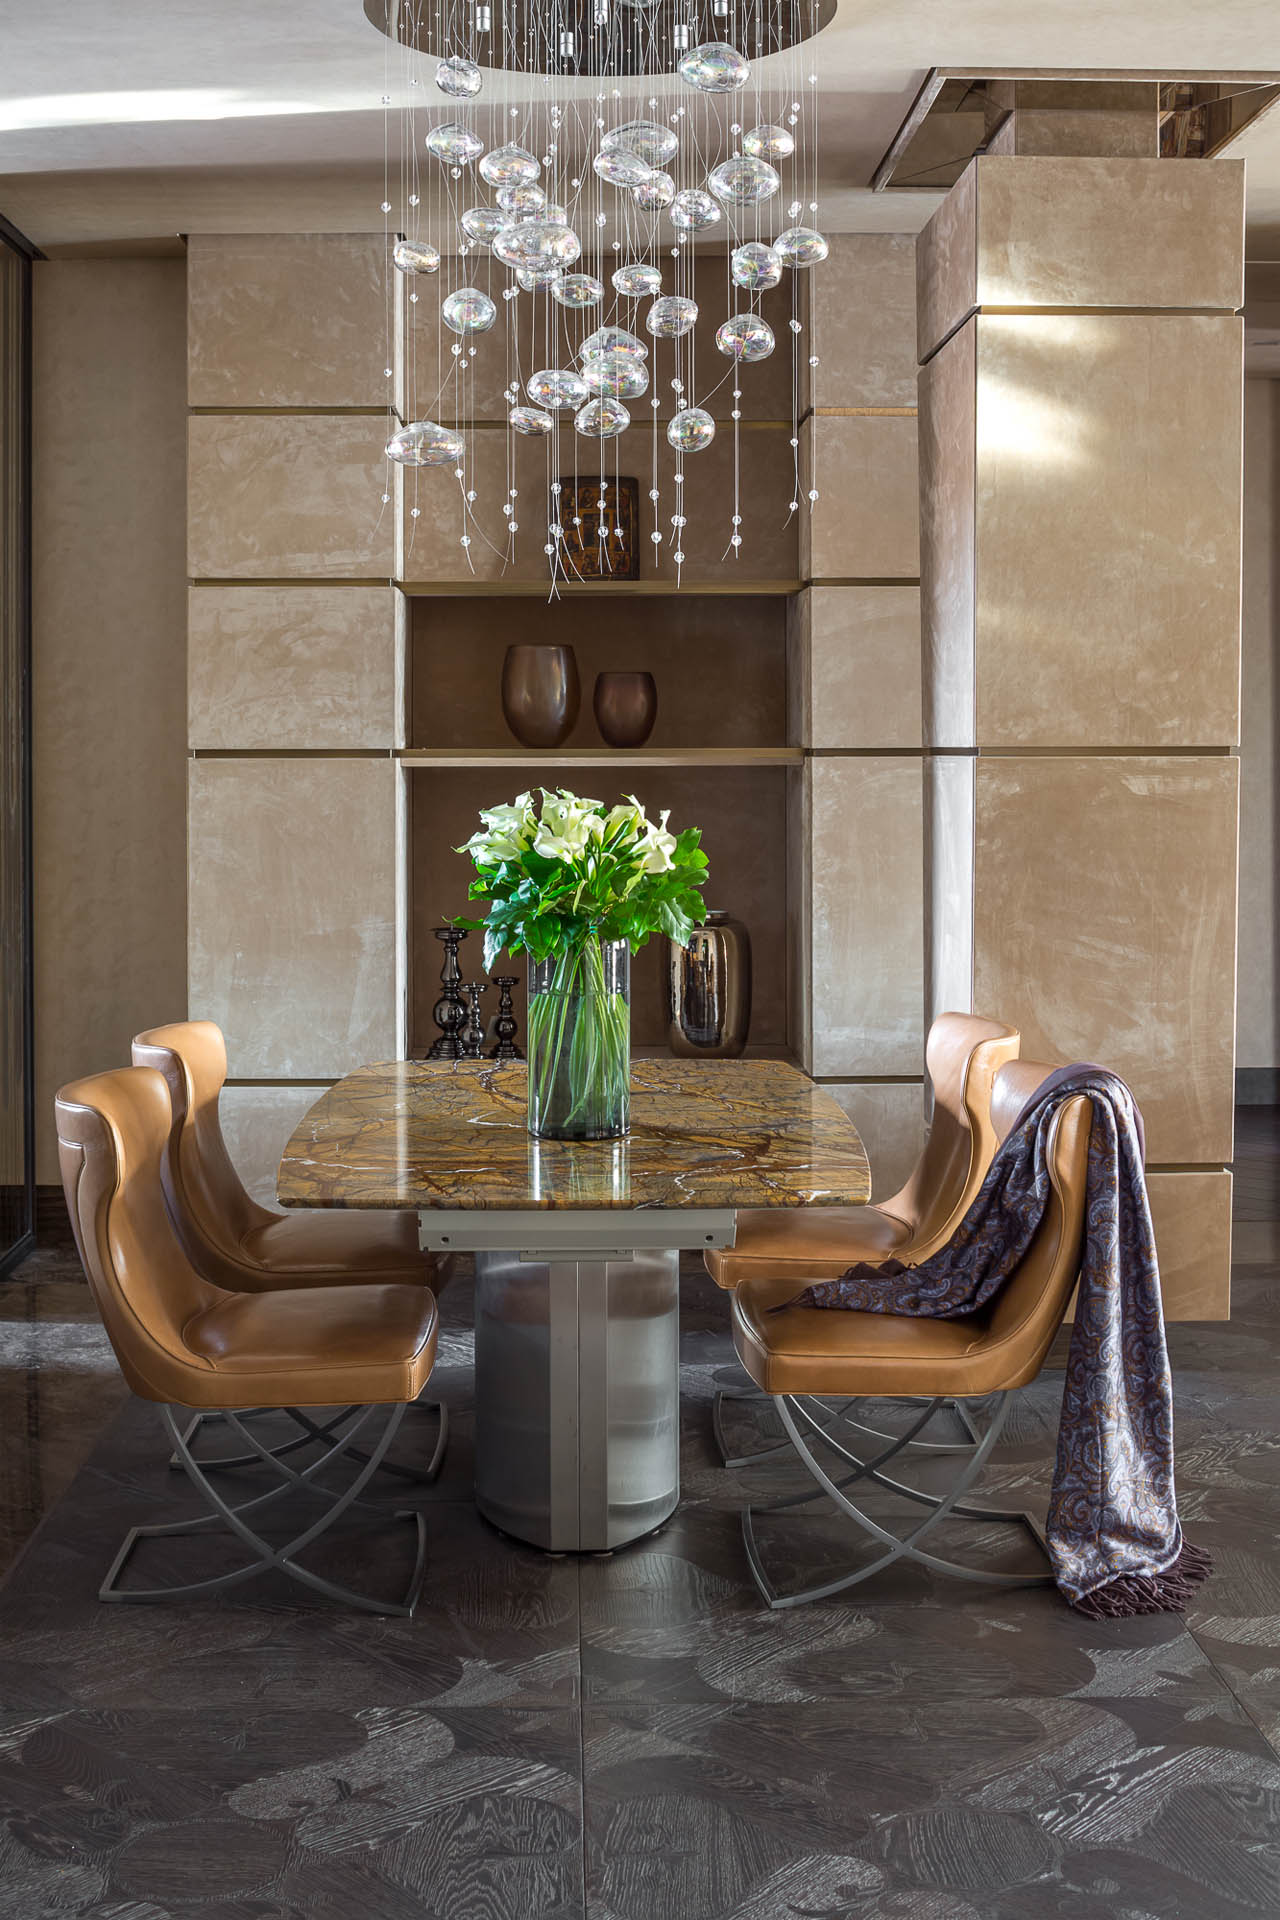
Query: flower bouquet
pixel 578 886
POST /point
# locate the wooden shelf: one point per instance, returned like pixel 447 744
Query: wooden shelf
pixel 615 757
pixel 541 589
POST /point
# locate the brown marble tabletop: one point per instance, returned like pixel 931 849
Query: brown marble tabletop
pixel 451 1134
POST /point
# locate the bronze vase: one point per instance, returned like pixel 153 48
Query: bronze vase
pixel 541 694
pixel 709 990
pixel 626 706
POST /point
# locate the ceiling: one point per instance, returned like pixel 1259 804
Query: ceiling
pixel 125 125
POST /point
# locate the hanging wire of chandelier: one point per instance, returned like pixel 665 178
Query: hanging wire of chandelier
pixel 580 196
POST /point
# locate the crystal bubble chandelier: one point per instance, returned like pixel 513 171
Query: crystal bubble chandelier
pixel 592 206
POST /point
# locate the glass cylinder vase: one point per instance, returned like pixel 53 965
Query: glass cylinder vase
pixel 579 1042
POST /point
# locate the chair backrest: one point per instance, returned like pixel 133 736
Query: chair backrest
pixel 963 1055
pixel 1029 1311
pixel 211 1209
pixel 113 1132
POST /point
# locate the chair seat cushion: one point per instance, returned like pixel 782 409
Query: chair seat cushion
pixel 827 1351
pixel 313 1246
pixel 313 1346
pixel 811 1243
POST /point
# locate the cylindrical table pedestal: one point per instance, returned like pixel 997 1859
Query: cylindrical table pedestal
pixel 577 1397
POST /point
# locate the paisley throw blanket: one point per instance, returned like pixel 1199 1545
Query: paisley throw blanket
pixel 1113 1533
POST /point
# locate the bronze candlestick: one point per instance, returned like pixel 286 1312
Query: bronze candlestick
pixel 505 1025
pixel 450 1010
pixel 473 1038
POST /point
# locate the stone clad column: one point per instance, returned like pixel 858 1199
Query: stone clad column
pixel 1080 398
pixel 295 703
pixel 854 703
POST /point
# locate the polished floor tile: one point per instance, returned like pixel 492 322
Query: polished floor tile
pixel 634 1737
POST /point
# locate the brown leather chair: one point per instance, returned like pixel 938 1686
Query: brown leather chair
pixel 228 1236
pixel 806 1351
pixel 963 1055
pixel 185 1342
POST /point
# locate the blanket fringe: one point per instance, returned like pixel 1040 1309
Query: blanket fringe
pixel 1134 1593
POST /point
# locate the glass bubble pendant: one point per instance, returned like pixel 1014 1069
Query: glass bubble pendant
pixel 483 224
pixel 509 167
pixel 672 317
pixel 715 67
pixel 768 142
pixel 532 278
pixel 654 192
pixel 801 247
pixel 425 444
pixel 416 256
pixel 460 78
pixel 692 209
pixel 530 420
pixel 637 282
pixel 556 387
pixel 553 211
pixel 602 419
pixel 690 430
pixel 614 340
pixel 469 311
pixel 745 337
pixel 648 140
pixel 522 200
pixel 616 373
pixel 577 290
pixel 537 244
pixel 454 146
pixel 742 181
pixel 755 265
pixel 621 168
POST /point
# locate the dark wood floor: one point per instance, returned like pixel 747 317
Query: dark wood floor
pixel 636 1738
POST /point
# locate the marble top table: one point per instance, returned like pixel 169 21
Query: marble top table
pixel 577 1253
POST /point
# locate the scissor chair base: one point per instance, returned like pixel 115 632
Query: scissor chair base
pixel 831 1418
pixel 312 1431
pixel 225 1518
pixel 804 1426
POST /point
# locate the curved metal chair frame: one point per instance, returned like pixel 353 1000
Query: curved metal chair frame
pixel 224 1517
pixel 313 1431
pixel 795 1415
pixel 836 1416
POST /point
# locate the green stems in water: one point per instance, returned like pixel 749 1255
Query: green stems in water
pixel 579 1035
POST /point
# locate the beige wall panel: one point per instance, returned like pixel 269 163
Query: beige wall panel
pixel 948 426
pixel 256 1124
pixel 432 542
pixel 865 524
pixel 862 324
pixel 280 496
pixel 1105 919
pixel 867 933
pixel 799 942
pixel 292 666
pixel 109 666
pixel 948 886
pixel 292 912
pixel 288 320
pixel 854 659
pixel 1191 1213
pixel 889 1114
pixel 1084 233
pixel 1108 587
pixel 1258 1014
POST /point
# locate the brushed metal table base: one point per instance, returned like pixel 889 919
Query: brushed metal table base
pixel 577 1385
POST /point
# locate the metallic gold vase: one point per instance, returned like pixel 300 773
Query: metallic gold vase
pixel 709 990
pixel 541 694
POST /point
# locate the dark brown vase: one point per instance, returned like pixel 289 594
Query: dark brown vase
pixel 626 706
pixel 541 694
